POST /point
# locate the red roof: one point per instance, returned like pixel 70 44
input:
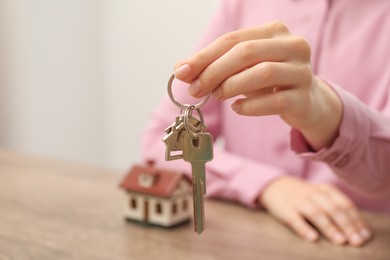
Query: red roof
pixel 165 183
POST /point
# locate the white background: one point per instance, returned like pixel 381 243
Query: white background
pixel 79 78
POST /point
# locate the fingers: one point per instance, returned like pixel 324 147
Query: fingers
pixel 200 60
pixel 346 216
pixel 328 210
pixel 299 225
pixel 271 104
pixel 336 217
pixel 261 76
pixel 270 89
pixel 245 55
pixel 318 217
pixel 242 56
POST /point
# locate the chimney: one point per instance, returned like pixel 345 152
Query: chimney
pixel 150 162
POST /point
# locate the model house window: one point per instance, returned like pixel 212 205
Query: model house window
pixel 158 208
pixel 174 208
pixel 185 204
pixel 133 203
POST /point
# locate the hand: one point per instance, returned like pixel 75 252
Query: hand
pixel 271 68
pixel 295 203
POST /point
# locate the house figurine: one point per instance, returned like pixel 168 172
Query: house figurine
pixel 157 196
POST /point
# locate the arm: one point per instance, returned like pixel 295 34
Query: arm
pixel 271 69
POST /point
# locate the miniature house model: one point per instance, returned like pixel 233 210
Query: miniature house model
pixel 157 196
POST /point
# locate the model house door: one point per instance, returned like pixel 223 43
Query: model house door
pixel 146 210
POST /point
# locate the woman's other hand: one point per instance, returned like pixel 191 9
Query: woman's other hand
pixel 329 212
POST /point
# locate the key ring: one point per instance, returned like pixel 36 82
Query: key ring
pixel 181 106
pixel 187 114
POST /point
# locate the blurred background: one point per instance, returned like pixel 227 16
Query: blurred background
pixel 79 78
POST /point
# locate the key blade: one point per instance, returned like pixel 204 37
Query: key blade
pixel 198 201
pixel 198 152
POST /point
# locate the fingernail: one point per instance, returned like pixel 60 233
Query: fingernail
pixel 338 238
pixel 217 93
pixel 365 233
pixel 195 88
pixel 236 107
pixel 183 71
pixel 356 239
pixel 311 236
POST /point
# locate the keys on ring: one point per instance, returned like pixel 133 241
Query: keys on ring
pixel 187 139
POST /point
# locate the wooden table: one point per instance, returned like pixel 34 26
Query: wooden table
pixel 56 210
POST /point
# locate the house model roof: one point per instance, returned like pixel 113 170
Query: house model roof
pixel 151 180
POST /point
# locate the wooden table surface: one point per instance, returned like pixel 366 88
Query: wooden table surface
pixel 51 209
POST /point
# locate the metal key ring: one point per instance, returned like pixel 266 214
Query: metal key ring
pixel 179 105
pixel 187 114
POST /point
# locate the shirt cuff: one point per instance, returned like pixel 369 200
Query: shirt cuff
pixel 354 129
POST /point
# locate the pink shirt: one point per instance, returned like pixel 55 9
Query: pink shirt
pixel 350 41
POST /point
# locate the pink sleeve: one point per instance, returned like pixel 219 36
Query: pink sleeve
pixel 229 176
pixel 361 153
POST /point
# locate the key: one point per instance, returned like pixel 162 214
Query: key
pixel 198 152
pixel 174 137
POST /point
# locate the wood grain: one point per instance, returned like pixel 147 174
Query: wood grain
pixel 59 210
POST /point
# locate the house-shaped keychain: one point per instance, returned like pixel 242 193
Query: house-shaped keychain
pixel 157 196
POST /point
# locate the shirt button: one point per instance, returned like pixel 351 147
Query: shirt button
pixel 344 161
pixel 331 157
